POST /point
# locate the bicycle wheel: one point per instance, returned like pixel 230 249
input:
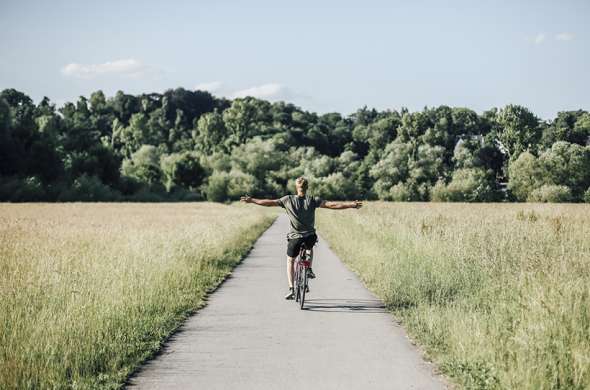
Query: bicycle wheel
pixel 303 287
pixel 296 282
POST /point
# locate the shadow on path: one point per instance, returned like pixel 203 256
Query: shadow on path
pixel 345 305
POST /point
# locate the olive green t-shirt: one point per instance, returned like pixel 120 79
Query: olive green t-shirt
pixel 301 213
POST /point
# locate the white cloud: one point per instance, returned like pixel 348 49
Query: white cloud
pixel 212 86
pixel 564 36
pixel 271 91
pixel 539 38
pixel 126 67
pixel 268 91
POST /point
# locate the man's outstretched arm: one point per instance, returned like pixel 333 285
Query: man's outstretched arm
pixel 260 202
pixel 341 205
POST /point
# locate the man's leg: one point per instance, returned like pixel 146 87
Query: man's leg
pixel 290 262
pixel 310 243
pixel 290 270
pixel 292 247
pixel 310 273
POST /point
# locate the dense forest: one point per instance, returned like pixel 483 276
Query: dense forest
pixel 190 145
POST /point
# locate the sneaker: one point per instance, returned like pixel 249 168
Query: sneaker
pixel 291 294
pixel 310 274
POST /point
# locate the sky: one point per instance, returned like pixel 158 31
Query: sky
pixel 324 56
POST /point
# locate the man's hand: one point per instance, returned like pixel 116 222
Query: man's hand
pixel 246 199
pixel 358 204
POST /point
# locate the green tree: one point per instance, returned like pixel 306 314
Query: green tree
pixel 9 156
pixel 567 164
pixel 231 185
pixel 550 193
pixel 124 106
pixel 263 161
pixel 467 185
pixel 526 174
pixel 98 102
pixel 392 169
pixel 217 186
pixel 141 131
pixel 210 133
pixel 383 131
pixel 182 170
pixel 569 126
pixel 428 165
pixel 519 130
pixel 192 104
pixel 334 187
pixel 144 165
pixel 244 117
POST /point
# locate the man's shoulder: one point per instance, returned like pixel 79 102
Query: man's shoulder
pixel 316 201
pixel 284 200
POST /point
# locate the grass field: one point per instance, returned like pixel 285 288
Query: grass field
pixel 88 291
pixel 497 294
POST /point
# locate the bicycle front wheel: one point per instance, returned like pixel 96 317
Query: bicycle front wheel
pixel 303 287
pixel 296 284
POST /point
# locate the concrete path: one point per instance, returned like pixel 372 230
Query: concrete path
pixel 249 337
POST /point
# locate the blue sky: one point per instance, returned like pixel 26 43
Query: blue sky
pixel 321 55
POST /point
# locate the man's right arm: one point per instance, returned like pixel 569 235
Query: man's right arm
pixel 261 202
pixel 341 205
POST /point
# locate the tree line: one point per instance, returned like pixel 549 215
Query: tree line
pixel 190 145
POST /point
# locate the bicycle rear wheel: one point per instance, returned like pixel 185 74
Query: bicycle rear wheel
pixel 296 283
pixel 303 287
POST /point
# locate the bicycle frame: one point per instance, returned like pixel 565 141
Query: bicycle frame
pixel 302 259
pixel 302 263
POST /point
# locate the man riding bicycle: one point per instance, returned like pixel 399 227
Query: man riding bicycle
pixel 300 209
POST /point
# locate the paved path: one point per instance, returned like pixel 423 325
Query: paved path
pixel 249 337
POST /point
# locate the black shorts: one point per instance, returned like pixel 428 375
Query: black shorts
pixel 294 244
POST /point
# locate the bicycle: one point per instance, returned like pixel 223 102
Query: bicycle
pixel 302 264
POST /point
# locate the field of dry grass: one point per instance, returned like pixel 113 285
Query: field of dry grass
pixel 88 291
pixel 498 294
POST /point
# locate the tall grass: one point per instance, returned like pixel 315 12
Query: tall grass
pixel 88 291
pixel 498 294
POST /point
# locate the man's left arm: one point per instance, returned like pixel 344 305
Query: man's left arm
pixel 341 205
